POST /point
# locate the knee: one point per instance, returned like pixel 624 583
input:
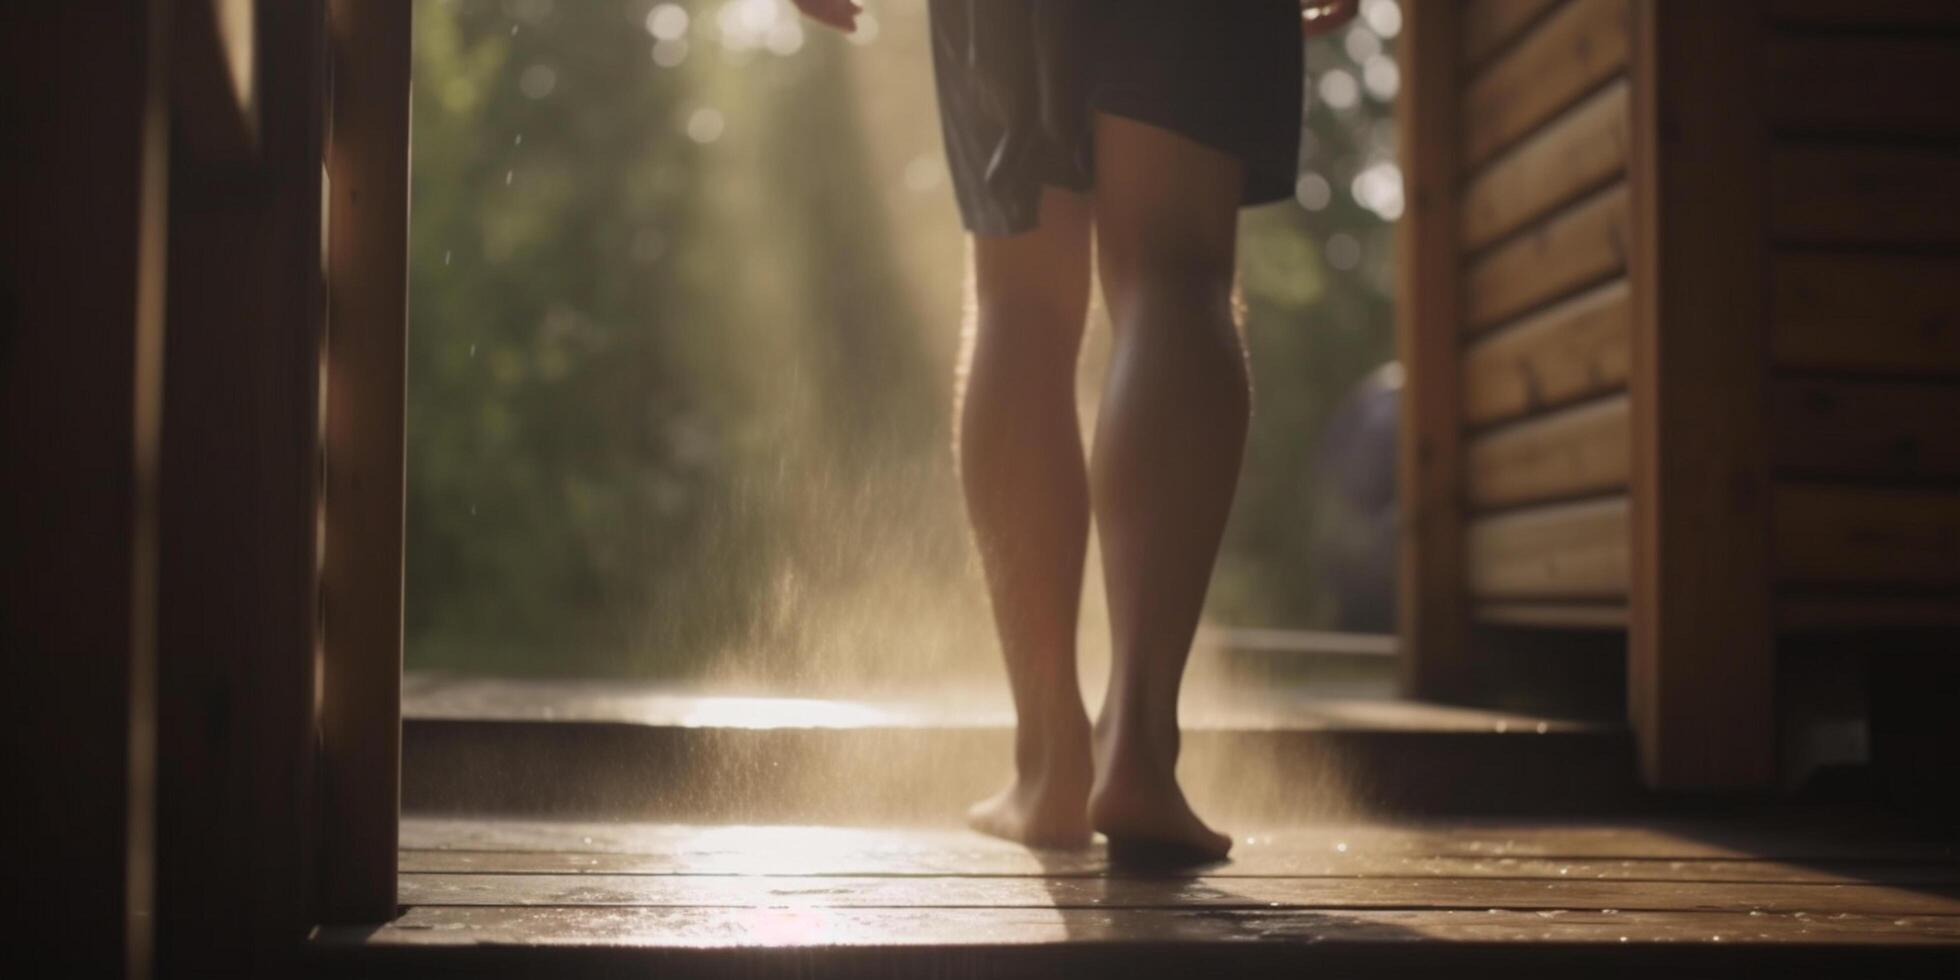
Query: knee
pixel 1166 285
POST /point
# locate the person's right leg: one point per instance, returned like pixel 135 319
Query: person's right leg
pixel 1168 445
pixel 1027 497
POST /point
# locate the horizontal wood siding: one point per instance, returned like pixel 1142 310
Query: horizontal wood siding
pixel 1567 551
pixel 1883 196
pixel 1573 350
pixel 1487 25
pixel 1573 50
pixel 1567 453
pixel 1864 13
pixel 1577 152
pixel 1877 86
pixel 1581 245
pixel 1865 312
pixel 1852 311
pixel 1866 430
pixel 1830 534
pixel 1849 612
pixel 1542 232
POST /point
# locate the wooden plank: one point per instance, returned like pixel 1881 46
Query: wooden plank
pixel 1829 195
pixel 1858 535
pixel 1432 628
pixel 1488 25
pixel 1567 453
pixel 717 929
pixel 1251 860
pixel 1864 612
pixel 1574 551
pixel 1575 349
pixel 1571 249
pixel 214 83
pixel 1865 86
pixel 1575 153
pixel 1866 430
pixel 1553 615
pixel 1159 892
pixel 361 575
pixel 1570 53
pixel 1701 670
pixel 1890 314
pixel 82 330
pixel 1864 13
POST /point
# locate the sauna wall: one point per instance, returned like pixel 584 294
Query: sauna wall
pixel 1864 307
pixel 1542 231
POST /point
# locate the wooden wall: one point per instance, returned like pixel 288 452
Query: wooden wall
pixel 1680 307
pixel 81 371
pixel 1864 287
pixel 1542 233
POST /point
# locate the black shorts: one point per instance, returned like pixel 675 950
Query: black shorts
pixel 1020 82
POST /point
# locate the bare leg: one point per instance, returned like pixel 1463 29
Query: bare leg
pixel 1027 497
pixel 1168 446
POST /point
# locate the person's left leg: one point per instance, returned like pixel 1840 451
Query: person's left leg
pixel 1027 497
pixel 1168 446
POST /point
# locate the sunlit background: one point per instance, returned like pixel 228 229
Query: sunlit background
pixel 685 300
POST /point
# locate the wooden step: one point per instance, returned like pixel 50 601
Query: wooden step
pixel 520 748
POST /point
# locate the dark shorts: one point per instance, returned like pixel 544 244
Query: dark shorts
pixel 1020 82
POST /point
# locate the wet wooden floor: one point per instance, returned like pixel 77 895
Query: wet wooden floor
pixel 1634 896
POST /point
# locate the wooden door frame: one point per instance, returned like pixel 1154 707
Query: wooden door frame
pixel 1700 636
pixel 370 45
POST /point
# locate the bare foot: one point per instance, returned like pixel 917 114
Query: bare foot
pixel 1047 803
pixel 1137 804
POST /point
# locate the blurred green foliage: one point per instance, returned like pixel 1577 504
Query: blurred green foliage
pixel 683 321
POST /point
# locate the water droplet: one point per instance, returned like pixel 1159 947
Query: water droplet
pixel 1543 728
pixel 508 176
pixel 519 141
pixel 1341 846
pixel 1503 726
pixel 446 256
pixel 472 350
pixel 513 30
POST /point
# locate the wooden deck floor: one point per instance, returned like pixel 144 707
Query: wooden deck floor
pixel 1621 897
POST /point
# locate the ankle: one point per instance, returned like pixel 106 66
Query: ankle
pixel 1057 746
pixel 1126 736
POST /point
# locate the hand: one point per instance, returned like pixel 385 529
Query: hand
pixel 1319 17
pixel 841 14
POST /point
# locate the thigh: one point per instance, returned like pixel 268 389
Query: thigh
pixel 1166 211
pixel 1037 281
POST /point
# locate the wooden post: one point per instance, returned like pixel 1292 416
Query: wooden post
pixel 1432 620
pixel 1700 644
pixel 239 503
pixel 366 376
pixel 83 227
